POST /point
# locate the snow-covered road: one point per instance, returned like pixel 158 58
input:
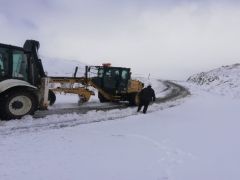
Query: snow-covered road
pixel 172 91
pixel 90 113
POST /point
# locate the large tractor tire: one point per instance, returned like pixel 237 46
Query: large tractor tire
pixel 133 99
pixel 18 104
pixel 101 98
pixel 51 97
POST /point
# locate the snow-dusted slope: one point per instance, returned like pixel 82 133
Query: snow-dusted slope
pixel 61 67
pixel 224 80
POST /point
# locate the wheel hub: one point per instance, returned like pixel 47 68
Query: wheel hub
pixel 17 105
pixel 20 105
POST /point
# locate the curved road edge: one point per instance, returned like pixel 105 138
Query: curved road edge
pixel 175 91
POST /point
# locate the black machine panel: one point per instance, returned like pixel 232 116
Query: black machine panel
pixel 113 80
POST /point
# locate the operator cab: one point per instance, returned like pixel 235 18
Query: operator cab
pixel 113 80
pixel 19 63
pixel 13 63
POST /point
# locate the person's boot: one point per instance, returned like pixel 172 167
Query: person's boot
pixel 144 110
pixel 139 109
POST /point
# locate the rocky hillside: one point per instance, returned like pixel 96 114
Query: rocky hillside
pixel 224 80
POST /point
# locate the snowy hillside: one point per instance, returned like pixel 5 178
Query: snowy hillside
pixel 61 67
pixel 224 80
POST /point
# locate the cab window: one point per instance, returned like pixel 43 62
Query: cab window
pixel 20 65
pixel 100 73
pixel 3 62
pixel 124 74
pixel 108 73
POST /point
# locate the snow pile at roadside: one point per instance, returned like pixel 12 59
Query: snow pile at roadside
pixel 224 80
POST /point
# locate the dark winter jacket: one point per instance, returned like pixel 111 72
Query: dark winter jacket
pixel 147 94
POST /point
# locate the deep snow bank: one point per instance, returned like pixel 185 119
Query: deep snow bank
pixel 224 80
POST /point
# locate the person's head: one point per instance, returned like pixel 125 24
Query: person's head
pixel 149 86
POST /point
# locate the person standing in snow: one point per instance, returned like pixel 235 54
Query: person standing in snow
pixel 146 95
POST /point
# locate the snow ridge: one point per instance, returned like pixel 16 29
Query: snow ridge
pixel 224 80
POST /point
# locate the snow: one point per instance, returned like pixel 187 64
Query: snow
pixel 223 81
pixel 61 67
pixel 191 138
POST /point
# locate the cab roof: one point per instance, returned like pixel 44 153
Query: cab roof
pixel 12 47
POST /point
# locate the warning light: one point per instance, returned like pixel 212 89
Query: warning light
pixel 106 64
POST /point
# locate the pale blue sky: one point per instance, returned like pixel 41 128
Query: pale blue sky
pixel 169 39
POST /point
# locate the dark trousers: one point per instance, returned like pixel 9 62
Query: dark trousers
pixel 141 104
